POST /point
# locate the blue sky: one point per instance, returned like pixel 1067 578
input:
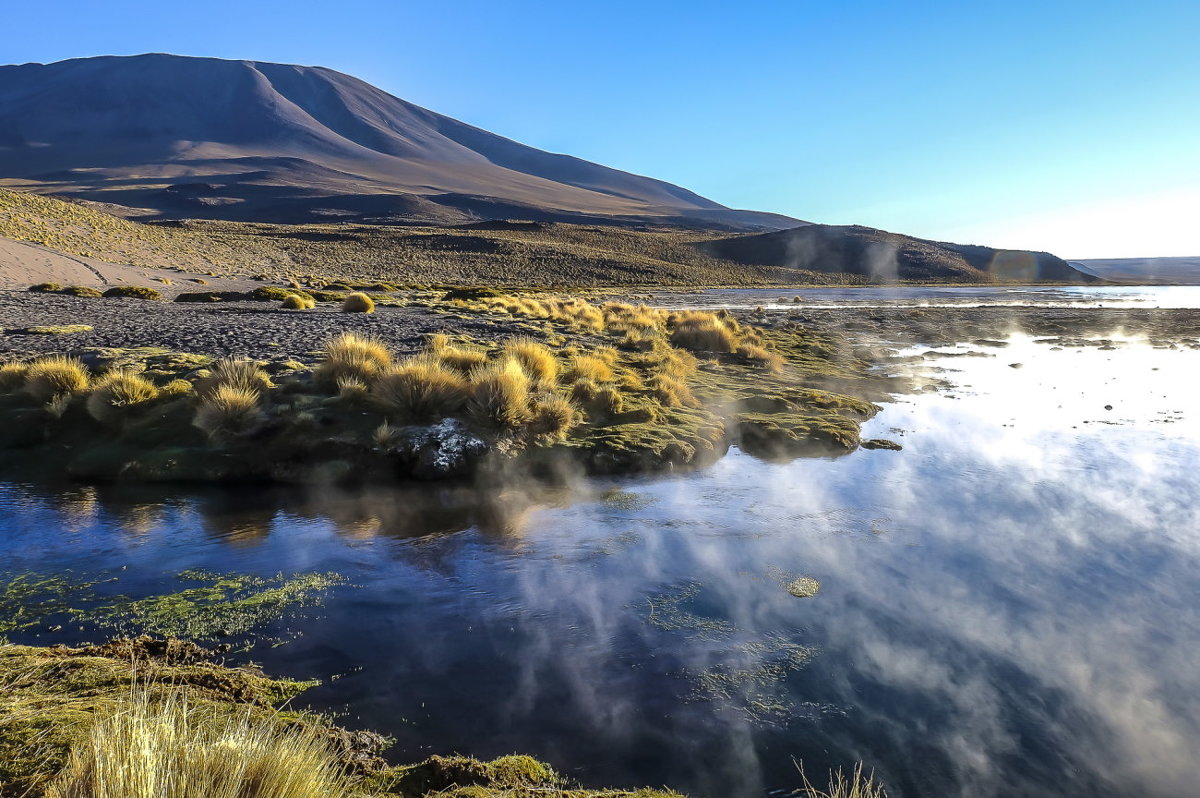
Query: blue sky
pixel 1067 126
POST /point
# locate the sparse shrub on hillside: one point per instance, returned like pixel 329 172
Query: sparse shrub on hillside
pixel 53 376
pixel 358 302
pixel 45 288
pixel 228 410
pixel 499 395
pixel 81 291
pixel 537 359
pixel 114 392
pixel 132 292
pixel 419 390
pixel 352 355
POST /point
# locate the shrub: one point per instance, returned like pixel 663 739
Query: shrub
pixel 81 291
pixel 552 417
pixel 241 374
pixel 470 293
pixel 499 395
pixel 358 302
pixel 351 355
pixel 271 293
pixel 115 391
pixel 536 359
pixel 168 749
pixel 227 411
pixel 55 375
pixel 299 302
pixel 12 376
pixel 671 391
pixel 590 367
pixel 419 389
pixel 132 292
pixel 45 288
pixel 597 400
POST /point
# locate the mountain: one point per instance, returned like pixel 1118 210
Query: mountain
pixel 247 140
pixel 887 257
pixel 1161 271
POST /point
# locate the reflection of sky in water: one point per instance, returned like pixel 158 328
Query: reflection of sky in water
pixel 1005 608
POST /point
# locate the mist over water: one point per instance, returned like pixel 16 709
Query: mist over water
pixel 1005 608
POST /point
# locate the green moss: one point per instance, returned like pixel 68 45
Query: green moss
pixel 57 329
pixel 132 292
pixel 788 435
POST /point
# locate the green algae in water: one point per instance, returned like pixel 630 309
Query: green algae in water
pixel 220 605
pixel 673 610
pixel 216 605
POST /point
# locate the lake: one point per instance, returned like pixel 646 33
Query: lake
pixel 1006 607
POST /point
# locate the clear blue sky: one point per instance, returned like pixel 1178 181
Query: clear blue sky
pixel 1068 126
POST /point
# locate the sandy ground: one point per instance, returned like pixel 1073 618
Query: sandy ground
pixel 23 264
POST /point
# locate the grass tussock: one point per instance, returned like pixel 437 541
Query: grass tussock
pixel 12 376
pixel 168 749
pixel 552 418
pixel 228 411
pixel 299 302
pixel 244 375
pixel 462 359
pixel 358 302
pixel 499 395
pixel 704 332
pixel 536 359
pixel 856 785
pixel 54 376
pixel 116 391
pixel 590 367
pixel 352 356
pixel 419 389
pixel 132 292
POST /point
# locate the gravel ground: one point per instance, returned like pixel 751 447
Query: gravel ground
pixel 260 330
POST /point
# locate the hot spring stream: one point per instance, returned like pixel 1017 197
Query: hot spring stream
pixel 1007 607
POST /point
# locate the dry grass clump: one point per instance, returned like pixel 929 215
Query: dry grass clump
pixel 299 302
pixel 756 353
pixel 54 376
pixel 536 359
pixel 419 389
pixel 12 376
pixel 856 785
pixel 352 356
pixel 115 391
pixel 499 395
pixel 704 332
pixel 358 302
pixel 598 400
pixel 590 367
pixel 241 374
pixel 459 358
pixel 671 391
pixel 169 749
pixel 552 418
pixel 228 410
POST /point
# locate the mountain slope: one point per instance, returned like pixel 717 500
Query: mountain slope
pixel 886 257
pixel 249 140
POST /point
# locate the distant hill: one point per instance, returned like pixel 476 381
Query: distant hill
pixel 190 137
pixel 881 256
pixel 1167 271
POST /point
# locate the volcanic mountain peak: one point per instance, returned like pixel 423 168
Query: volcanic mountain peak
pixel 278 142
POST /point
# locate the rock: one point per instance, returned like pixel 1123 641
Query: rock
pixel 445 449
pixel 881 443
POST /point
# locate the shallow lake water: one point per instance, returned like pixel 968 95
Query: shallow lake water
pixel 1007 607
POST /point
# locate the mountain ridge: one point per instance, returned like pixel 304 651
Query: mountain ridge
pixel 93 127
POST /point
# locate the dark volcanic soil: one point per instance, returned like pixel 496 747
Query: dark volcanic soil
pixel 260 330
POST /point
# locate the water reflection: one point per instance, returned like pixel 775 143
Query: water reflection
pixel 1004 608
